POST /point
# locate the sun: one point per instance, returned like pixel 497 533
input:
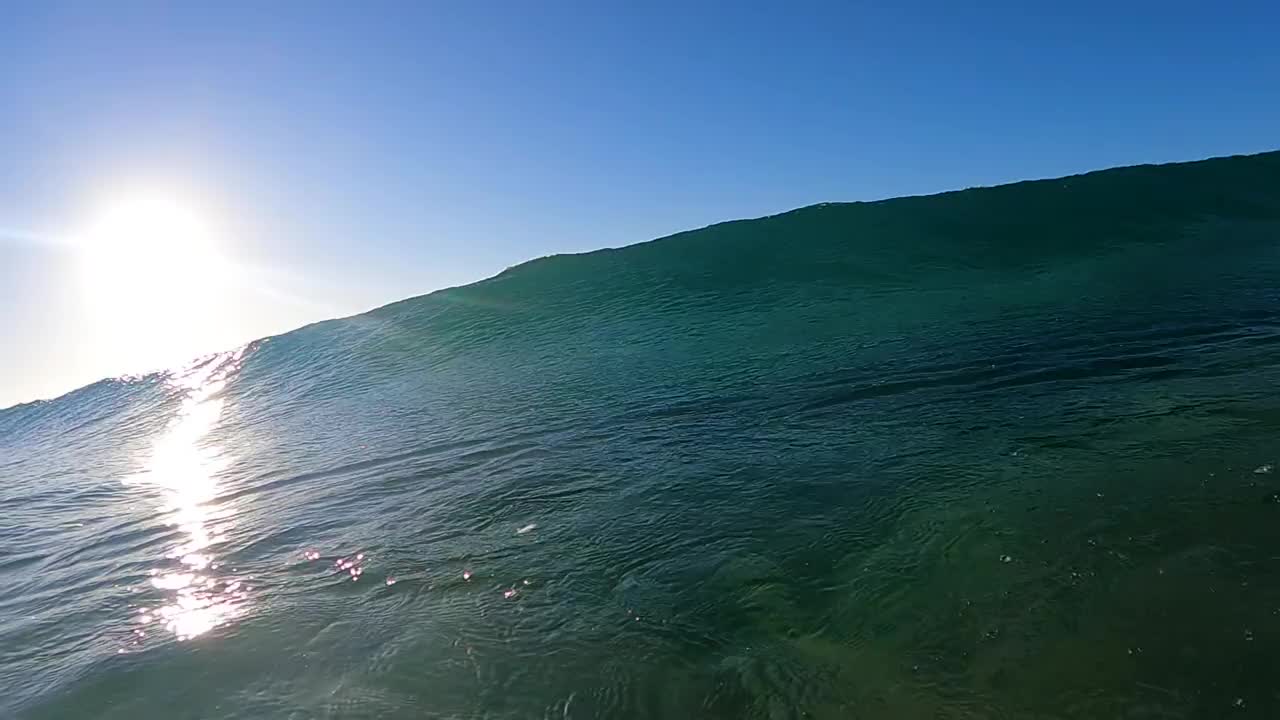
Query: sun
pixel 151 275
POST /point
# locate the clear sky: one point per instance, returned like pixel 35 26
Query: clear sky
pixel 333 157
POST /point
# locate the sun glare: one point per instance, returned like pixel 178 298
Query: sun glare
pixel 151 276
pixel 147 236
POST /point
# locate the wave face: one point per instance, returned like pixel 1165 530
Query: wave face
pixel 1004 452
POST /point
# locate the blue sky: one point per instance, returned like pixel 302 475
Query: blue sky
pixel 351 154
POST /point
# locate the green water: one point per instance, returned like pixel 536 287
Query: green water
pixel 1001 453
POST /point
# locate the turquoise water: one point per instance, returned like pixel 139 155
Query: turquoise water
pixel 998 453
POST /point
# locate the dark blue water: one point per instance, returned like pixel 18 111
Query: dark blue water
pixel 1006 452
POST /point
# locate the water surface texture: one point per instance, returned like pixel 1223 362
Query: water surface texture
pixel 1000 453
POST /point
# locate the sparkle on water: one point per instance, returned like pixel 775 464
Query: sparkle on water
pixel 183 468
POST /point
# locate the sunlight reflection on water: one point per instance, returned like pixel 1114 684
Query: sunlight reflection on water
pixel 184 468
